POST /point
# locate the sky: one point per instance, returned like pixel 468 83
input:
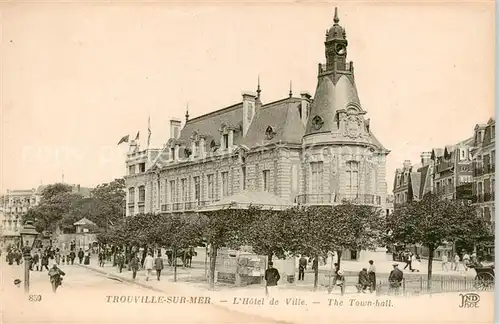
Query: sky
pixel 76 77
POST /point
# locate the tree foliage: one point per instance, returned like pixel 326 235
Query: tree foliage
pixel 433 222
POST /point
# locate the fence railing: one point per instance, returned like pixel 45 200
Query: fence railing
pixel 414 285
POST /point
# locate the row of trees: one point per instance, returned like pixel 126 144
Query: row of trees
pixel 313 231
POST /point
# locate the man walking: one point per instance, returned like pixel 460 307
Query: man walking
pixel 158 265
pixel 148 265
pixel 272 276
pixel 408 261
pixel 55 275
pixel 80 255
pixel 134 265
pixel 302 267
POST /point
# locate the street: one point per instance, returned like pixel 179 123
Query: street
pixel 82 298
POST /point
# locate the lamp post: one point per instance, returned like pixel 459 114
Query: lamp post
pixel 28 234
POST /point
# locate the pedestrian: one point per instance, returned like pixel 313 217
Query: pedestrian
pixel 45 261
pixel 134 265
pixel 81 254
pixel 444 262
pixel 395 278
pixel 372 275
pixel 36 260
pixel 149 263
pixel 55 275
pixel 101 259
pixel 63 259
pixel 58 256
pixel 86 261
pixel 72 257
pixel 121 261
pixel 466 261
pixel 302 267
pixel 272 276
pixel 408 257
pixel 456 262
pixel 158 265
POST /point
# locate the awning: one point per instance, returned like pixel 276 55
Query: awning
pixel 244 199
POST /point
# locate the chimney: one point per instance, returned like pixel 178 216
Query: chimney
pixel 78 188
pixel 406 164
pixel 304 106
pixel 248 109
pixel 175 128
pixel 425 158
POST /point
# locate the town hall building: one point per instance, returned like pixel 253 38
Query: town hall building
pixel 296 150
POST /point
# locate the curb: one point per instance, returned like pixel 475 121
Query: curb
pixel 131 281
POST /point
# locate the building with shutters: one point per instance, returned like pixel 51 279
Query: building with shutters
pixel 483 187
pixel 295 150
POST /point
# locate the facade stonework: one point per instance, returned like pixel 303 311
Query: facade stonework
pixel 298 150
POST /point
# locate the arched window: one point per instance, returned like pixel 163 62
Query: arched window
pixel 352 171
pixel 142 194
pixel 131 195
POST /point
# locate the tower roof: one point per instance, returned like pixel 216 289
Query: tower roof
pixel 336 31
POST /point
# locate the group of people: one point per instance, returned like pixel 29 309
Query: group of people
pixel 14 255
pixel 367 279
pixel 40 257
pixel 412 261
pixel 149 264
pixel 459 263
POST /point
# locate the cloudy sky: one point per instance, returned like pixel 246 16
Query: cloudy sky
pixel 77 77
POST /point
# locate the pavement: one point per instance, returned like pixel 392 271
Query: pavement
pixel 297 303
pixel 87 297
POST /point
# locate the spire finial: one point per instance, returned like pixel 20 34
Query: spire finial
pixel 336 17
pixel 258 86
pixel 187 112
pixel 290 94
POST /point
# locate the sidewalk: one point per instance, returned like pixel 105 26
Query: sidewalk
pixel 296 303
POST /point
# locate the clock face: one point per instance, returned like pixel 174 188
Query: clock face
pixel 340 49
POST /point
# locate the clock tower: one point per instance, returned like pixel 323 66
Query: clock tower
pixel 336 46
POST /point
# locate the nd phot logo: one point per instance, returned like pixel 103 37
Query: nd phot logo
pixel 470 300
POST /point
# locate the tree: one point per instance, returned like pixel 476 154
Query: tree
pixel 225 228
pixel 56 202
pixel 318 230
pixel 433 222
pixel 108 199
pixel 267 233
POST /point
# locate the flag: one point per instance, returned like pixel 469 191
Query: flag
pixel 137 136
pixel 123 140
pixel 149 130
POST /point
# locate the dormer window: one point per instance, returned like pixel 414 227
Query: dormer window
pixel 172 153
pixel 187 152
pixel 270 133
pixel 225 141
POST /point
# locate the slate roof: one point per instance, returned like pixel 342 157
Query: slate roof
pixel 415 178
pixel 208 125
pixel 283 116
pixel 331 95
pixel 424 174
